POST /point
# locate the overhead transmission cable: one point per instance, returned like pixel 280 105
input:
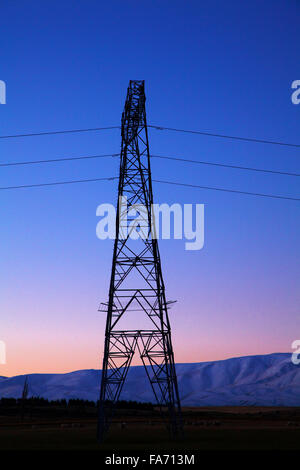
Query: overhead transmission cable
pixel 68 131
pixel 179 159
pixel 157 127
pixel 63 159
pixel 111 178
pixel 55 183
pixel 224 136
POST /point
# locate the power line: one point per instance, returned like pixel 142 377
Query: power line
pixel 53 160
pixel 58 132
pixel 226 165
pixel 111 178
pixel 227 190
pixel 157 127
pixel 59 182
pixel 179 159
pixel 223 136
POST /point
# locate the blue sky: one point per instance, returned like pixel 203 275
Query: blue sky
pixel 221 67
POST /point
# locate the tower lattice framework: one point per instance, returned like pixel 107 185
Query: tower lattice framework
pixel 136 285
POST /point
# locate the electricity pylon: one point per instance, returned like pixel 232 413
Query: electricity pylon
pixel 24 397
pixel 136 283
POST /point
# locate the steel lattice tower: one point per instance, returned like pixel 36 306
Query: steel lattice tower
pixel 136 280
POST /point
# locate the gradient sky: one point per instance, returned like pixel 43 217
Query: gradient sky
pixel 223 67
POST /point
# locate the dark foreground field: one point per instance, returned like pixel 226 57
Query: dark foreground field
pixel 205 429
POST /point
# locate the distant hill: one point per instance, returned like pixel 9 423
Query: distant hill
pixel 264 380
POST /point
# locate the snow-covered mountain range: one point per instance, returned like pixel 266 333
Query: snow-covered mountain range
pixel 264 380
